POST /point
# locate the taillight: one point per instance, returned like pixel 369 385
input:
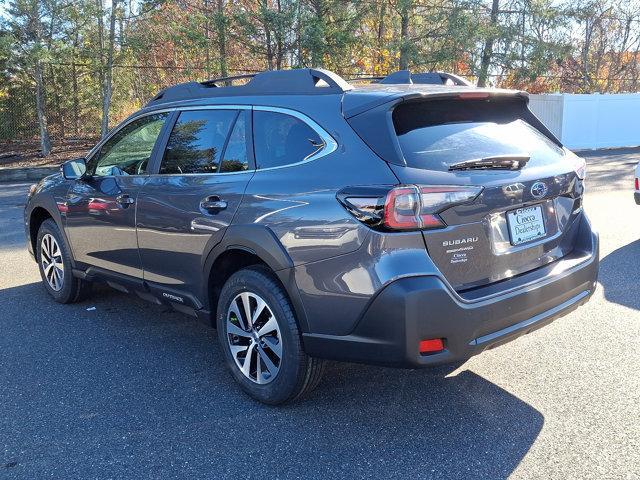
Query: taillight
pixel 637 184
pixel 405 207
pixel 580 168
pixel 402 209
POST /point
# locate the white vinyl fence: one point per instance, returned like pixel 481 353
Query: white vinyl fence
pixel 590 121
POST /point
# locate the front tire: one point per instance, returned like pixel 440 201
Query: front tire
pixel 261 341
pixel 54 262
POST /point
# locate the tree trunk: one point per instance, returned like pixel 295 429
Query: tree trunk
pixel 586 79
pixel 76 101
pixel 269 47
pixel 207 28
pixel 380 40
pixel 100 25
pixel 296 55
pixel 74 84
pixel 59 118
pixel 487 52
pixel 279 40
pixel 318 47
pixel 45 141
pixel 222 39
pixel 107 87
pixel 404 35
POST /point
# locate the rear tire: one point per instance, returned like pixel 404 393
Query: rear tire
pixel 279 370
pixel 54 262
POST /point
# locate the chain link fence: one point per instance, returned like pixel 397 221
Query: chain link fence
pixel 73 105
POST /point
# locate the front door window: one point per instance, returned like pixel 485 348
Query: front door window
pixel 128 151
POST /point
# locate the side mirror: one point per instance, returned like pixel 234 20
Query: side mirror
pixel 74 169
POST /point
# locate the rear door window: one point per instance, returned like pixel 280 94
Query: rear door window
pixel 196 141
pixel 281 139
pixel 435 134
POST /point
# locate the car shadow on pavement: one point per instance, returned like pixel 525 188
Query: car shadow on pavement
pixel 619 275
pixel 134 390
pixel 426 423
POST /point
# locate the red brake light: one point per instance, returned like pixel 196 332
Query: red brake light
pixel 432 345
pixel 473 95
pixel 401 209
pixel 637 184
pixel 417 207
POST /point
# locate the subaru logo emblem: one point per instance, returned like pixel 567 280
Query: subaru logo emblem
pixel 539 189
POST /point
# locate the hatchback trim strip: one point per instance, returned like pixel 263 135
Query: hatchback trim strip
pixel 529 322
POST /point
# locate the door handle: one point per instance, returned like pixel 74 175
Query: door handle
pixel 213 204
pixel 125 200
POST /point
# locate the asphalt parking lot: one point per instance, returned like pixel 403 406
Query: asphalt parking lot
pixel 133 390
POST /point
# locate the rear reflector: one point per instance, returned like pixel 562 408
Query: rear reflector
pixel 637 184
pixel 432 345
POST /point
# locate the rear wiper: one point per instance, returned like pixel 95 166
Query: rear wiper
pixel 502 162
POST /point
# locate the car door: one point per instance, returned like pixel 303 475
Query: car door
pixel 100 207
pixel 192 196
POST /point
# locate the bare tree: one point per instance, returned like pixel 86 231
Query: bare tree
pixel 221 30
pixel 106 61
pixel 34 49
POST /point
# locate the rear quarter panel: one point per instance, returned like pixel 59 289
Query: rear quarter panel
pixel 298 202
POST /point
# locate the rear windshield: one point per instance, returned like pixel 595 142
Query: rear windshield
pixel 435 134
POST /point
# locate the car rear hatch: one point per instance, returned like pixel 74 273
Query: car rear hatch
pixel 524 189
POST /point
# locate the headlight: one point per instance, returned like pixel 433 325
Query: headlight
pixel 32 190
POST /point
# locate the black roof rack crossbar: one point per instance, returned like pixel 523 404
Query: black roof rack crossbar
pixel 302 81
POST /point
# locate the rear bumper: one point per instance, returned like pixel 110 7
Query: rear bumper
pixel 416 308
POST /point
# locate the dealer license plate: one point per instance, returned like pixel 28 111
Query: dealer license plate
pixel 526 224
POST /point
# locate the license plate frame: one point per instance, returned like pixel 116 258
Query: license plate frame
pixel 526 224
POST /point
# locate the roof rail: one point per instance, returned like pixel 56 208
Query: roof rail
pixel 406 77
pixel 437 78
pixel 303 81
pixel 215 81
pixel 373 79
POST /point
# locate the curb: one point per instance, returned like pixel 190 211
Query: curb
pixel 31 174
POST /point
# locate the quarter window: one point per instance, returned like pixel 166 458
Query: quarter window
pixel 196 141
pixel 282 139
pixel 235 155
pixel 128 151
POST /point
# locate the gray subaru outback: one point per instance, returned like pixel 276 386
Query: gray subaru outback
pixel 412 221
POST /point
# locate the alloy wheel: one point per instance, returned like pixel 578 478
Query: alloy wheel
pixel 52 262
pixel 254 338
